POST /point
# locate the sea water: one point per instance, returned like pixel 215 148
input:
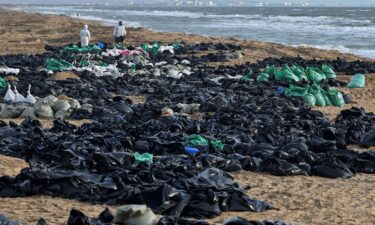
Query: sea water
pixel 350 30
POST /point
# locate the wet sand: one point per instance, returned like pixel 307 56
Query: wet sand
pixel 300 200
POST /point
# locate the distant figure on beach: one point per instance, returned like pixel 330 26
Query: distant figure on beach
pixel 119 33
pixel 85 36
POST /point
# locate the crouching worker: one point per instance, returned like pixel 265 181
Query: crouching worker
pixel 119 33
pixel 85 36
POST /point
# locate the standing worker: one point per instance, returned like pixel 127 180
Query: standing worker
pixel 119 33
pixel 85 36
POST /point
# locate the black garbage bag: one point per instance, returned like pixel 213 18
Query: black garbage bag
pixel 6 221
pixel 180 221
pixel 281 167
pixel 222 194
pixel 76 217
pixel 106 216
pixel 242 221
pixel 332 168
pixel 166 200
pixel 365 162
pixel 42 221
pixel 367 139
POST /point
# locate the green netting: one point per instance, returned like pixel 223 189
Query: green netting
pixel 58 65
pixel 311 100
pixel 314 75
pixel 296 91
pixel 271 70
pixel 336 97
pixel 195 139
pixel 3 83
pixel 217 144
pixel 317 92
pixel 358 81
pixel 328 71
pixel 286 74
pixel 145 157
pixel 263 77
pixel 75 48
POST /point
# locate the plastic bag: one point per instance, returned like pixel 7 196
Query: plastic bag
pixel 217 144
pixel 314 75
pixel 248 76
pixel 196 139
pixel 9 95
pixel 299 72
pixel 286 74
pixel 58 65
pixel 135 214
pixel 75 48
pixel 327 99
pixel 145 157
pixel 336 97
pixel 316 91
pixel 358 81
pixel 3 83
pixel 296 91
pixel 328 71
pixel 271 70
pixel 311 99
pixel 263 77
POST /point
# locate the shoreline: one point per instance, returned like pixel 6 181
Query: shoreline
pixel 300 200
pixel 102 31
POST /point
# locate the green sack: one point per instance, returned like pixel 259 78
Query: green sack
pixel 287 75
pixel 120 46
pixel 75 48
pixel 316 91
pixel 336 97
pixel 177 46
pixel 155 48
pixel 328 71
pixel 310 99
pixel 58 65
pixel 145 157
pixel 296 91
pixel 217 144
pixel 299 72
pixel 144 46
pixel 358 81
pixel 315 76
pixel 3 83
pixel 195 139
pixel 263 77
pixel 326 99
pixel 271 70
pixel 248 77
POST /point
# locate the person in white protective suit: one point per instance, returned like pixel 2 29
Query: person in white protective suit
pixel 85 36
pixel 119 33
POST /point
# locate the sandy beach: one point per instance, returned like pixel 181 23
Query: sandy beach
pixel 299 199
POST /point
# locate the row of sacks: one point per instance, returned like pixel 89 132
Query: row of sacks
pixel 49 107
pixel 138 215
